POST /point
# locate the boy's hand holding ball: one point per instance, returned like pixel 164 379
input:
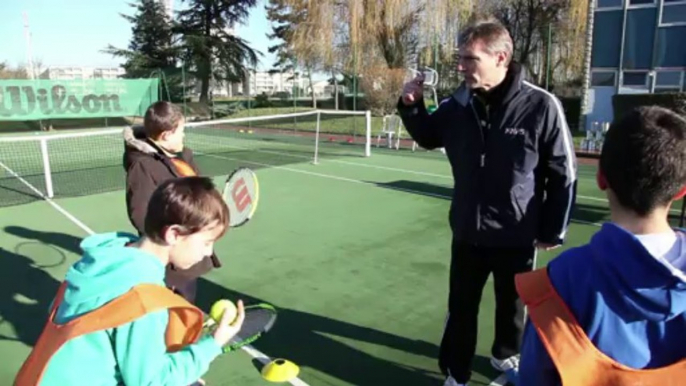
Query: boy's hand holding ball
pixel 229 319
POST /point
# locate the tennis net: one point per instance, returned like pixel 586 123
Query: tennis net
pixel 90 162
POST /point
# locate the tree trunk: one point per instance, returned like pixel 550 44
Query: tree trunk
pixel 586 84
pixel 204 74
pixel 205 66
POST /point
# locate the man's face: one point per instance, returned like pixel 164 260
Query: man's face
pixel 481 69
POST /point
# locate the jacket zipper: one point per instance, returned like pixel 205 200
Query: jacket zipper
pixel 481 132
pixel 482 161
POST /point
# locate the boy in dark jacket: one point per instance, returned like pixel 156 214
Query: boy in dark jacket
pixel 153 154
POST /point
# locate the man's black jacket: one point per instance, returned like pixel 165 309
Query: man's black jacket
pixel 512 157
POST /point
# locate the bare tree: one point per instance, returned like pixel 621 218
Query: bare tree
pixel 10 72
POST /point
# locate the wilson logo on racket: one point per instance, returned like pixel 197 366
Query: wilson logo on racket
pixel 241 195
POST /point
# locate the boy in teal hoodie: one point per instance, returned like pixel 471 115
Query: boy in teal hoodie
pixel 184 219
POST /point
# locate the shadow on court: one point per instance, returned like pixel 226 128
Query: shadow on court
pixel 26 289
pixel 319 342
pixel 26 292
pixel 415 187
pixel 309 340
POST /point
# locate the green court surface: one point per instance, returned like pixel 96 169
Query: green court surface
pixel 353 251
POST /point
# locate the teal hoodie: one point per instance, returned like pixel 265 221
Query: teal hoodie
pixel 131 354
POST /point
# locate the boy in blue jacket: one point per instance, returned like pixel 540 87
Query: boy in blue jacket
pixel 121 274
pixel 626 289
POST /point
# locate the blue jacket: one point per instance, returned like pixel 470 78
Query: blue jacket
pixel 631 306
pixel 513 162
pixel 131 354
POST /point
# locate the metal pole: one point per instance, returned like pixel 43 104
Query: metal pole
pixel 548 55
pixel 316 139
pixel 436 51
pixel 294 86
pixel 46 167
pixel 354 91
pixel 295 103
pixel 620 68
pixel 354 79
pixel 587 66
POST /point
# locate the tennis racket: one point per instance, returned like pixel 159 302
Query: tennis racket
pixel 241 194
pixel 259 319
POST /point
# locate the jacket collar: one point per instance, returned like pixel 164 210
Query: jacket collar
pixel 134 138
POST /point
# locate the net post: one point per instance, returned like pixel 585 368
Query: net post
pixel 46 167
pixel 368 134
pixel 316 138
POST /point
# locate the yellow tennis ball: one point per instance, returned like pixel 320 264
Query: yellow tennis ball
pixel 220 307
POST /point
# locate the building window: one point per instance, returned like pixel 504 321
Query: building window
pixel 603 78
pixel 607 35
pixel 609 4
pixel 674 13
pixel 671 47
pixel 668 78
pixel 641 2
pixel 640 35
pixel 635 79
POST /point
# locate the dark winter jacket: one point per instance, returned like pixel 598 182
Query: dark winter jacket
pixel 512 157
pixel 146 167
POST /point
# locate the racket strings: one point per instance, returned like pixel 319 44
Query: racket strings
pixel 256 322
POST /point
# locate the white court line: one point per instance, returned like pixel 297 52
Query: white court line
pixel 50 201
pixel 331 160
pixel 253 352
pixel 500 381
pixel 329 176
pixel 443 176
pixel 352 180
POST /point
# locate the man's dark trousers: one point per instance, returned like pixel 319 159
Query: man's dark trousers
pixel 470 267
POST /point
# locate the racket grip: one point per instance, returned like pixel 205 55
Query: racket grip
pixel 215 260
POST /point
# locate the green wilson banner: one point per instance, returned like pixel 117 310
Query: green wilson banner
pixel 25 100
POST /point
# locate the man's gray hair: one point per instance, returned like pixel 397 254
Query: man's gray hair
pixel 492 33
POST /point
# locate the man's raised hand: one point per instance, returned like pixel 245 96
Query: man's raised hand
pixel 413 90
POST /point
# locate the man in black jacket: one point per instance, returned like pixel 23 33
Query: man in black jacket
pixel 153 154
pixel 514 170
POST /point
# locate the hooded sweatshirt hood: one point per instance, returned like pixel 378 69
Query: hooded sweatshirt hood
pixel 636 284
pixel 136 145
pixel 133 353
pixel 107 269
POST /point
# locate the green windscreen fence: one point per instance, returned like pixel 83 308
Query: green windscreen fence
pixel 26 100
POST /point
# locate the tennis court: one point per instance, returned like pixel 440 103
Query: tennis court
pixel 353 250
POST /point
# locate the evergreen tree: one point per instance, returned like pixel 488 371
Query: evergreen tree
pixel 214 51
pixel 283 21
pixel 151 51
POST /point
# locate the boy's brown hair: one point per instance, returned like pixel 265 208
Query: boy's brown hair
pixel 193 203
pixel 644 158
pixel 160 117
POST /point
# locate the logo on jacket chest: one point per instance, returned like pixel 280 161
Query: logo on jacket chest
pixel 515 131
